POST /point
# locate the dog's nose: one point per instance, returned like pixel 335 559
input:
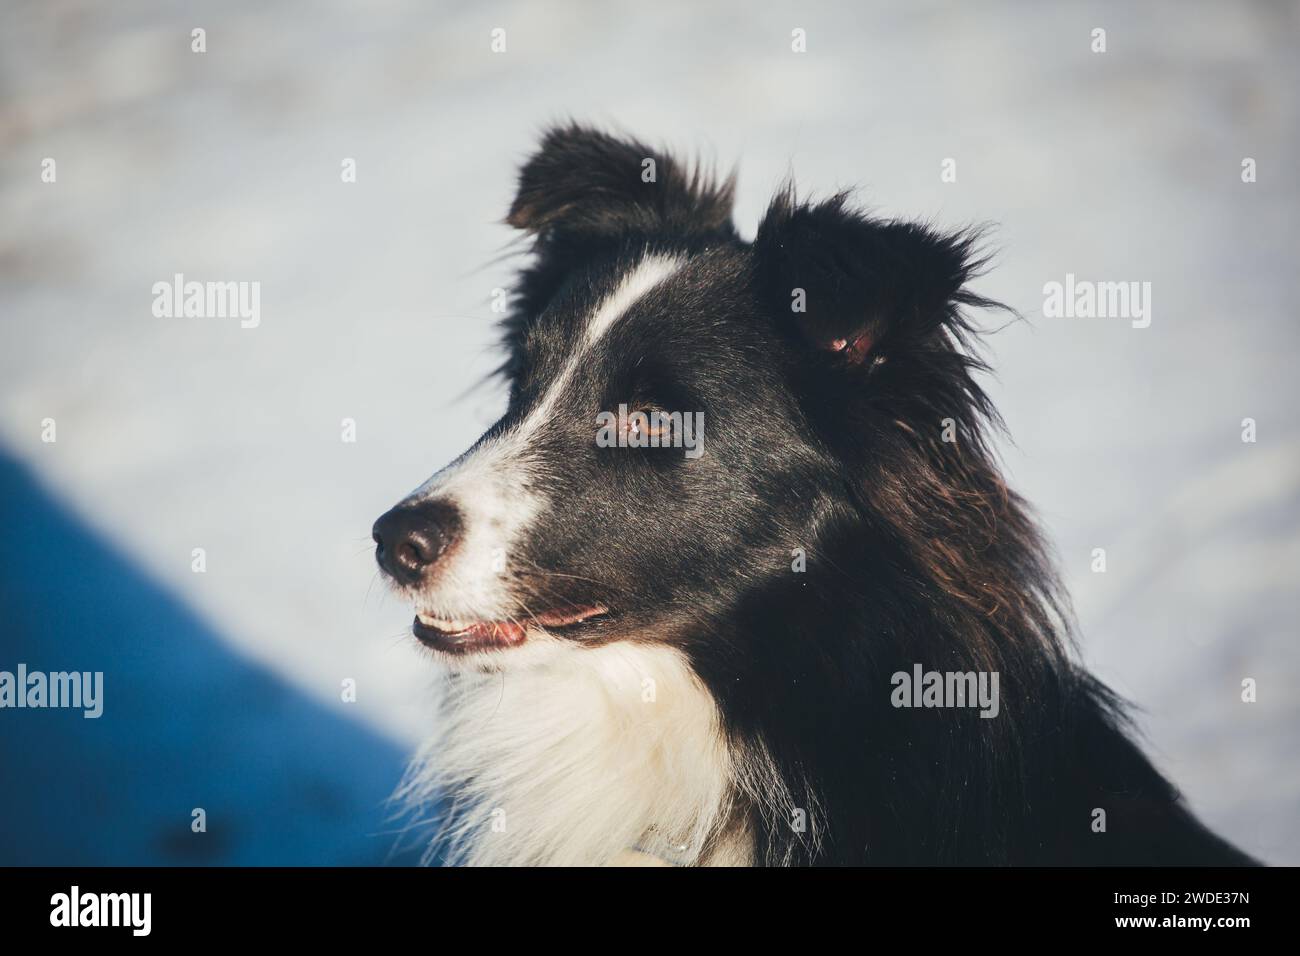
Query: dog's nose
pixel 409 539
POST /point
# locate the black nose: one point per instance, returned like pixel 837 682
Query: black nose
pixel 409 539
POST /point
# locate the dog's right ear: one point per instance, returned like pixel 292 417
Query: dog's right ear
pixel 583 184
pixel 858 287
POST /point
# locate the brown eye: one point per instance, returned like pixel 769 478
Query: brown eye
pixel 648 422
pixel 648 425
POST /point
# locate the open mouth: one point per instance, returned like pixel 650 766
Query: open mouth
pixel 457 636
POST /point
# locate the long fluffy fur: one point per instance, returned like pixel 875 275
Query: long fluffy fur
pixel 577 759
pixel 772 738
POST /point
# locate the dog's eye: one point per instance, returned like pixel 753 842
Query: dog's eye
pixel 648 422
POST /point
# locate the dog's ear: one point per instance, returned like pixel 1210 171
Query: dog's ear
pixel 860 287
pixel 585 184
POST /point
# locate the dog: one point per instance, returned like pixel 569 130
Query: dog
pixel 746 656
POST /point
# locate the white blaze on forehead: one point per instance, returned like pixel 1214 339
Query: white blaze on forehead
pixel 644 276
pixel 648 273
pixel 490 484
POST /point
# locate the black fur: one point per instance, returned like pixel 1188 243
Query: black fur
pixel 824 433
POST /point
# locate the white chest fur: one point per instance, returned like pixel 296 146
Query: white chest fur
pixel 573 756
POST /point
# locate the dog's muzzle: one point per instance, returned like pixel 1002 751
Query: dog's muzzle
pixel 411 540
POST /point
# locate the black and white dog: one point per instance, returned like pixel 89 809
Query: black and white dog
pixel 828 634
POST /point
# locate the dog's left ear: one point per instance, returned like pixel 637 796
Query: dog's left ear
pixel 860 287
pixel 584 184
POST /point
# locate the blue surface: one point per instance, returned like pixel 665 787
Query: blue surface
pixel 186 723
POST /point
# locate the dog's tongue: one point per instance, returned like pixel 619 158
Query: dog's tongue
pixel 461 636
pixel 494 632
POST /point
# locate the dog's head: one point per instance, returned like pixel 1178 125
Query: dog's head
pixel 687 409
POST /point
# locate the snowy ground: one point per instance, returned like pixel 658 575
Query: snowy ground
pixel 182 433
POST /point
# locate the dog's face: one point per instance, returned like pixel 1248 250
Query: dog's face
pixel 684 407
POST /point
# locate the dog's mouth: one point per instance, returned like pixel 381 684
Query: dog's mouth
pixel 463 636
